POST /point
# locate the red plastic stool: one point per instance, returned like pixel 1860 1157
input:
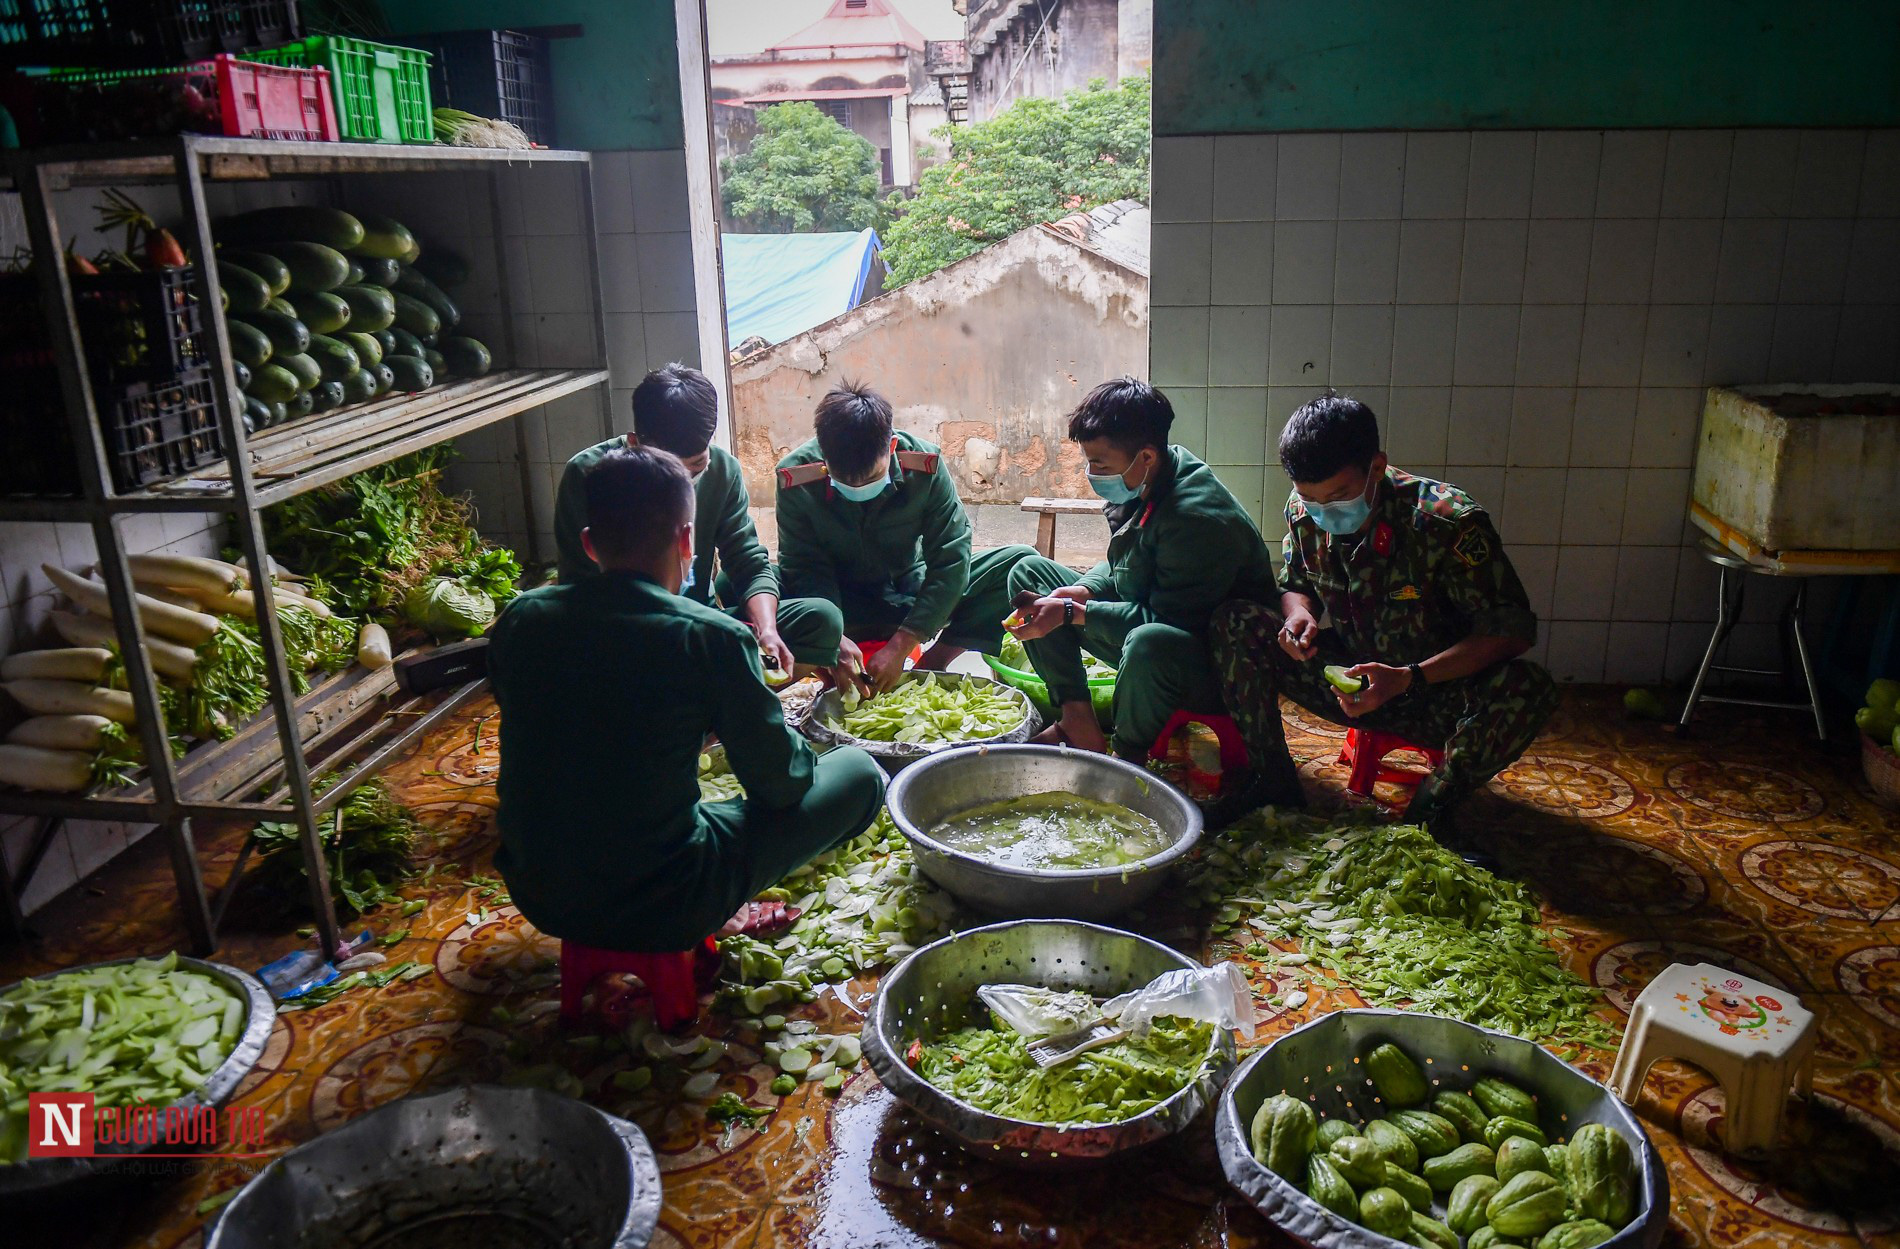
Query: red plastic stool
pixel 1365 751
pixel 1233 747
pixel 872 647
pixel 671 980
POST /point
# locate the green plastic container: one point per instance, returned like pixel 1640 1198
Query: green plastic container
pixel 382 91
pixel 1101 690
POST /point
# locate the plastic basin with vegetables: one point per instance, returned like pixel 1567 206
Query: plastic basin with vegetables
pixel 1321 1065
pixel 1013 668
pixel 472 1166
pixel 934 992
pixel 923 796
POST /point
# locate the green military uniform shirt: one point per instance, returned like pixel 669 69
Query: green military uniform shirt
pixel 1427 572
pixel 608 687
pixel 911 544
pixel 722 526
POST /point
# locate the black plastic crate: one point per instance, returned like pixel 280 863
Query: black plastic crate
pixel 140 326
pixel 503 74
pixel 158 430
pixel 139 32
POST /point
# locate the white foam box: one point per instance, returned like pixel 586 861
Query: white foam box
pixel 1802 468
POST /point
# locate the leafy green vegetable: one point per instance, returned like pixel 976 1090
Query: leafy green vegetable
pixel 731 1108
pixel 369 840
pixel 146 1031
pixel 991 1070
pixel 446 608
pixel 1402 920
pixel 925 709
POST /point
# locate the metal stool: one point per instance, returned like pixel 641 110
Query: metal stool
pixel 1732 573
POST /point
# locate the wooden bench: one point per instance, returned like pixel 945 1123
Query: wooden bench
pixel 1047 510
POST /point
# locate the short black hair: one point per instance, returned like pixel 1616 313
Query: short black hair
pixel 1127 412
pixel 854 429
pixel 637 499
pixel 676 409
pixel 1327 434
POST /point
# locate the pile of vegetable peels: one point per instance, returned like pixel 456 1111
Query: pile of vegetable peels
pixel 1391 913
pixel 925 709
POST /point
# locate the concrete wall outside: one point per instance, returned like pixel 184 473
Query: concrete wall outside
pixel 1087 38
pixel 791 77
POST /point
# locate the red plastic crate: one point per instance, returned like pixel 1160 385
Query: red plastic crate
pixel 224 95
pixel 275 101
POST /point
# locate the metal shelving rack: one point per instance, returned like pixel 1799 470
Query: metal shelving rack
pixel 356 715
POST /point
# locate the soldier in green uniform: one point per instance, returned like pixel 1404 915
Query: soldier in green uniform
pixel 1180 545
pixel 869 519
pixel 676 409
pixel 608 687
pixel 1423 605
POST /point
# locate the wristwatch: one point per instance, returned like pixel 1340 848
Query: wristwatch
pixel 1418 676
pixel 1068 611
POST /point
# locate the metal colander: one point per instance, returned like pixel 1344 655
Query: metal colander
pixel 1319 1064
pixel 472 1168
pixel 821 723
pixel 934 991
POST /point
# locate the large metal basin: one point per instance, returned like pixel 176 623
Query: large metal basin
pixel 1318 1063
pixel 934 991
pixel 479 1166
pixel 924 795
pixel 39 1179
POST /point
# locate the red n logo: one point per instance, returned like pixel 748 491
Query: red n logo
pixel 59 1125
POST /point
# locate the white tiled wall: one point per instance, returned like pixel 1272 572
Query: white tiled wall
pixel 1534 316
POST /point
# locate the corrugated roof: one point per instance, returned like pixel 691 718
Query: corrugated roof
pixel 1119 231
pixel 854 24
pixel 927 95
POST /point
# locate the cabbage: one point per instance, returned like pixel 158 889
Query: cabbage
pixel 445 607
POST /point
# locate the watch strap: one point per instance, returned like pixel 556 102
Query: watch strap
pixel 1418 675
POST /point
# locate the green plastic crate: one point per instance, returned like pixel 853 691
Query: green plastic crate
pixel 382 91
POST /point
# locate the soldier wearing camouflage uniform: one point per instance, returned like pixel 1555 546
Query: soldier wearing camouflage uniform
pixel 1422 603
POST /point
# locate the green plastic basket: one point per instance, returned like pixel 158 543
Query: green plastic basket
pixel 382 91
pixel 1101 690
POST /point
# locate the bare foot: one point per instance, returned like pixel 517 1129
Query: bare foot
pixel 760 919
pixel 1051 736
pixel 1081 730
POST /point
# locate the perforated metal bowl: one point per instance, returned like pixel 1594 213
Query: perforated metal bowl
pixel 821 723
pixel 1319 1064
pixel 476 1166
pixel 925 795
pixel 934 991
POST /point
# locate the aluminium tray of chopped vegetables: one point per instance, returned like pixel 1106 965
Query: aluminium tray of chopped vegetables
pixel 926 712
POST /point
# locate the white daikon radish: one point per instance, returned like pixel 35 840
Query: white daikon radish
pixel 184 572
pixel 77 663
pixel 372 647
pixel 290 598
pixel 61 732
pixel 239 603
pixel 71 698
pixel 54 771
pixel 168 659
pixel 172 598
pixel 190 627
pixel 280 572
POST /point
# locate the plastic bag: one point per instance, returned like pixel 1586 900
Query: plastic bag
pixel 1039 1012
pixel 1218 994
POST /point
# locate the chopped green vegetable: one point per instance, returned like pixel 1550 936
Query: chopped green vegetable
pixel 925 709
pixel 784 1086
pixel 633 1081
pixel 731 1108
pixel 1055 830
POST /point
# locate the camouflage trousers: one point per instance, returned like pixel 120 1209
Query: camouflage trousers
pixel 1482 722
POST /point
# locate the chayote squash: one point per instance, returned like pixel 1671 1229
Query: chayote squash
pixel 1386 1212
pixel 1444 1171
pixel 1557 1162
pixel 1463 1111
pixel 1429 1233
pixel 1331 1130
pixel 1518 1155
pixel 1464 1210
pixel 1602 1174
pixel 1528 1206
pixel 1393 1143
pixel 1504 1127
pixel 1417 1193
pixel 1359 1160
pixel 1284 1132
pixel 1487 1237
pixel 1500 1097
pixel 1396 1077
pixel 1433 1134
pixel 1580 1234
pixel 1327 1186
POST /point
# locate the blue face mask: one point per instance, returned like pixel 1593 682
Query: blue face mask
pixel 865 493
pixel 1341 518
pixel 686 578
pixel 1113 487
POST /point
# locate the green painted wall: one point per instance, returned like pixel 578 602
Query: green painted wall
pixel 1238 66
pixel 616 87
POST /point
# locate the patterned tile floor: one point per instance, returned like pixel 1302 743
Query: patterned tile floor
pixel 1748 846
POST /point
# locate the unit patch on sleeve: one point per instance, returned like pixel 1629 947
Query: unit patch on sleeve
pixel 1473 548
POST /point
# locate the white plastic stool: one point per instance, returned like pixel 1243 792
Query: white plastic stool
pixel 1755 1039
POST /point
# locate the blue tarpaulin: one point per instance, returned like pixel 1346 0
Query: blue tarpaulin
pixel 778 285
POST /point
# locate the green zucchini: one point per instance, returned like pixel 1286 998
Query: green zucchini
pixel 416 317
pixel 274 272
pixel 328 395
pixel 407 344
pixel 313 267
pixel 273 383
pixel 279 412
pixel 256 414
pixel 335 357
pixel 411 374
pixel 416 286
pixel 385 378
pixel 282 306
pixel 302 405
pixel 359 386
pixel 367 348
pixel 435 361
pixel 248 291
pixel 444 268
pixel 371 307
pixel 465 357
pixel 287 334
pixel 383 238
pixel 379 272
pixel 241 372
pixel 250 346
pixel 307 370
pixel 356 270
pixel 305 222
pixel 387 340
pixel 322 311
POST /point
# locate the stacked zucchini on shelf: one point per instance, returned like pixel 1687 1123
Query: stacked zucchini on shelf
pixel 327 308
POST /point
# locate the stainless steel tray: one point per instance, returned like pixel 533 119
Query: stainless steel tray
pixel 820 724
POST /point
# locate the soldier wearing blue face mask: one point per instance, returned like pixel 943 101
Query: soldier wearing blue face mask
pixel 869 519
pixel 1423 606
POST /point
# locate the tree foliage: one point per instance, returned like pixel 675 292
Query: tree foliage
pixel 1038 161
pixel 804 172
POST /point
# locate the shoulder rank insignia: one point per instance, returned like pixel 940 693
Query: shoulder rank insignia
pixel 917 461
pixel 1473 547
pixel 802 474
pixel 1405 594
